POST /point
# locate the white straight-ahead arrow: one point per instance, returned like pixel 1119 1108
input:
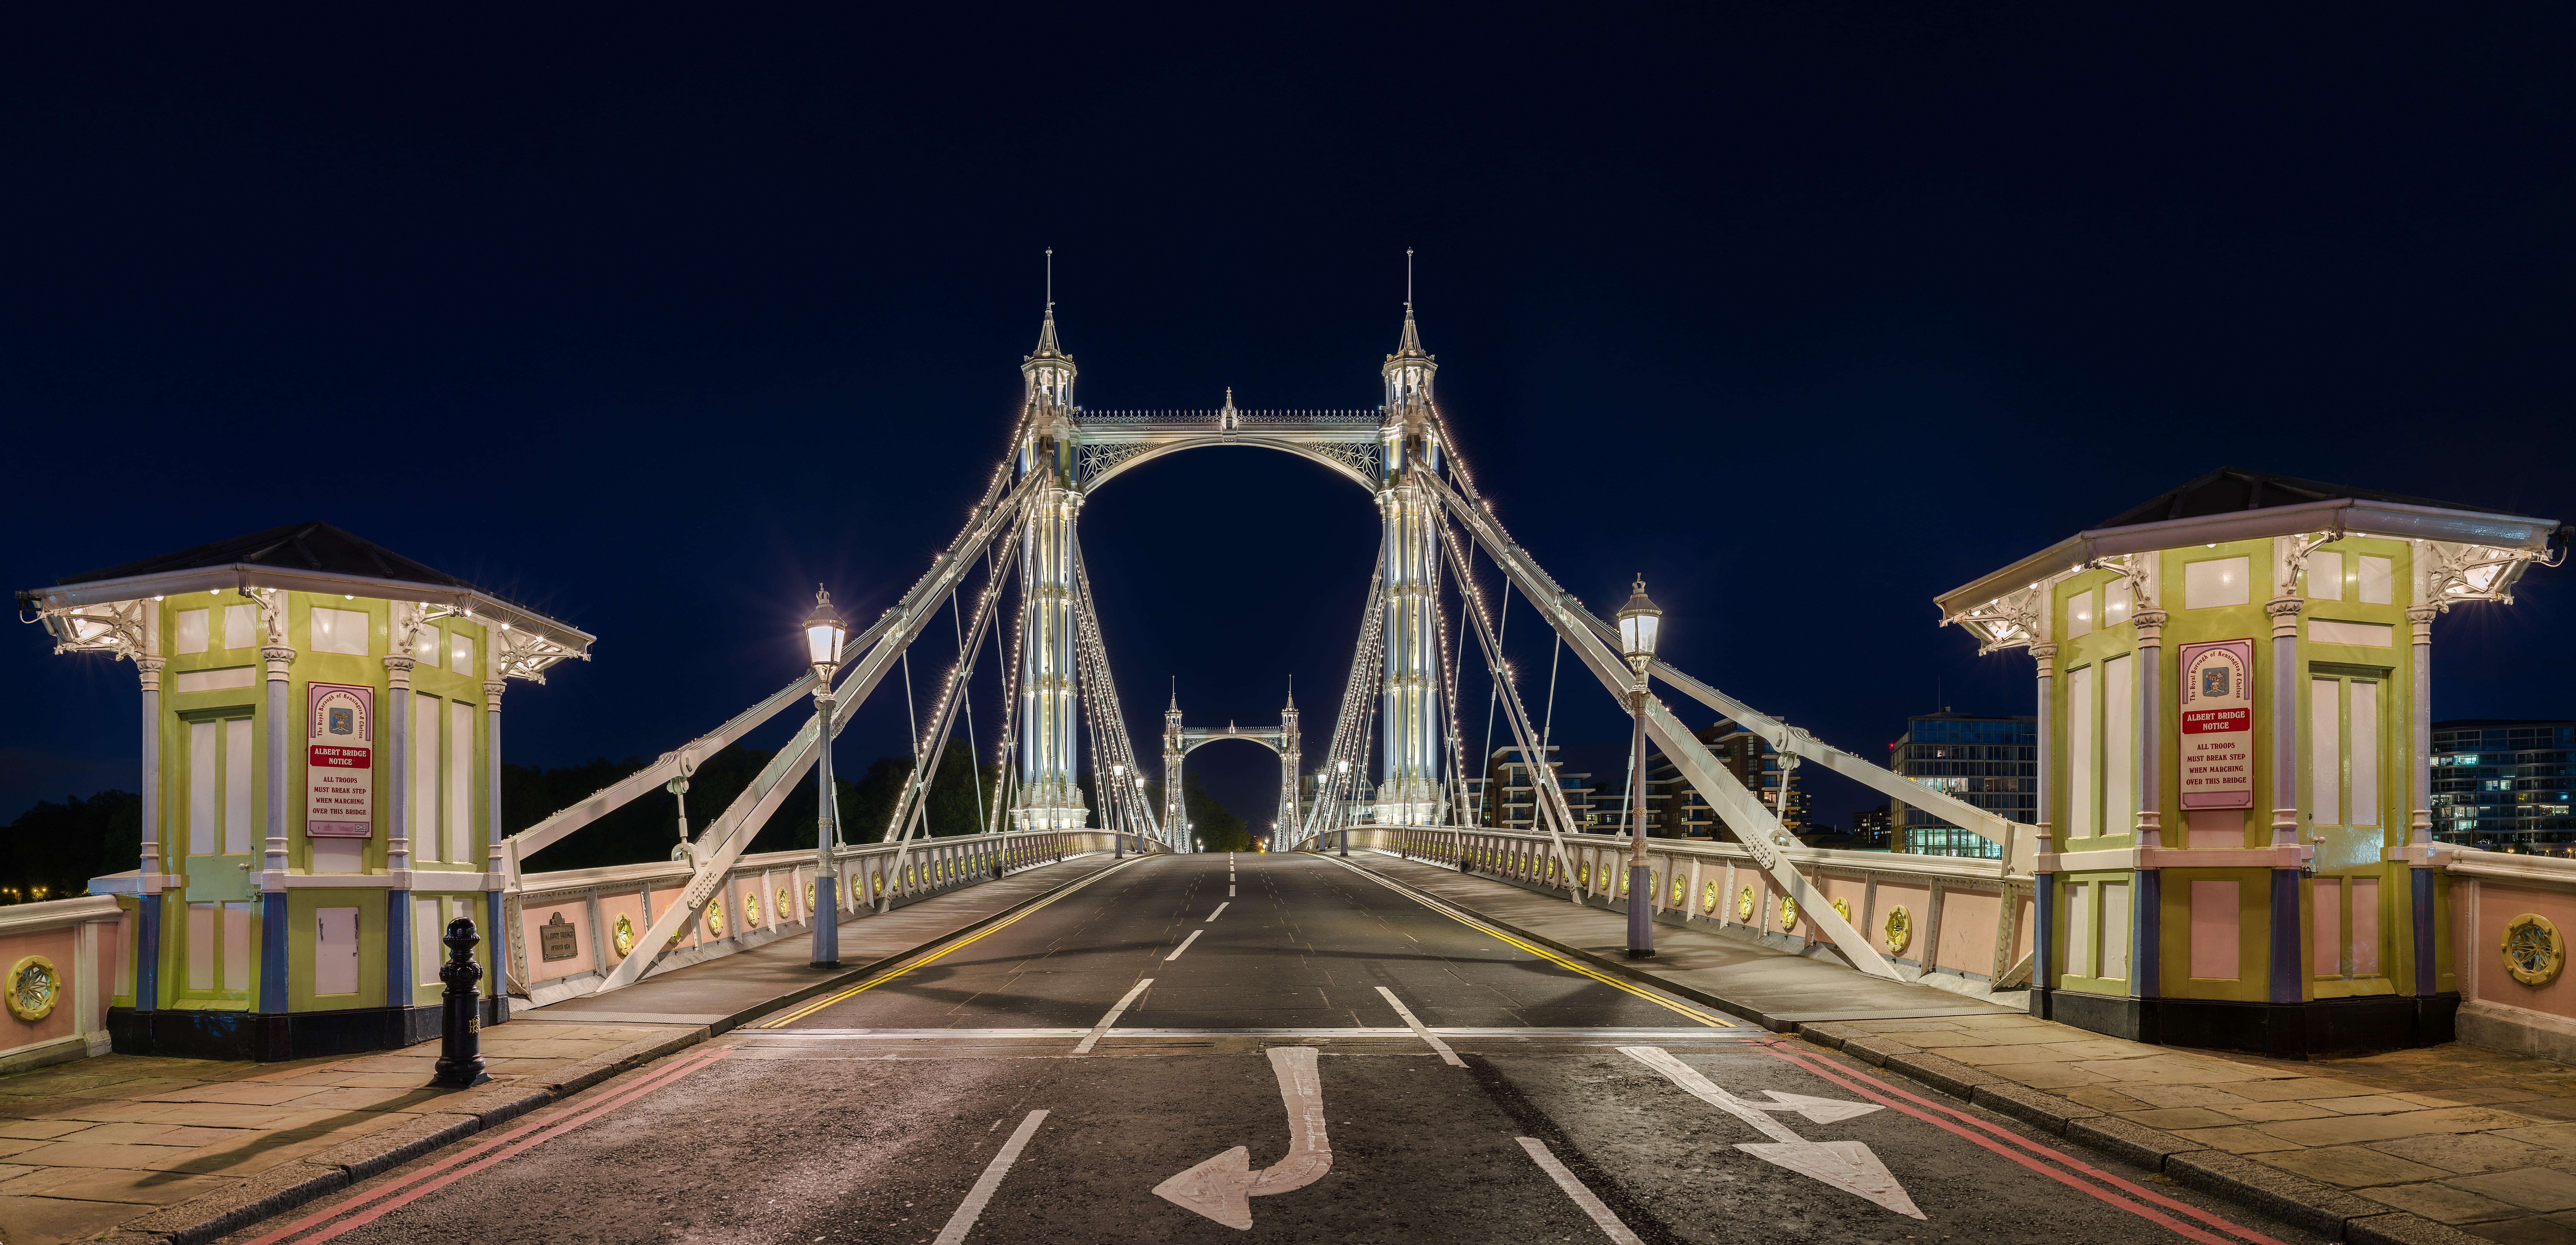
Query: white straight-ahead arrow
pixel 1846 1165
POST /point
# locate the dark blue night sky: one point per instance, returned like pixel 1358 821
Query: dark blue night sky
pixel 654 318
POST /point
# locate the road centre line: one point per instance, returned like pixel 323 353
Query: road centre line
pixel 972 1208
pixel 1229 890
pixel 808 1009
pixel 1220 907
pixel 1185 945
pixel 1447 1055
pixel 438 1175
pixel 1710 1019
pixel 1583 1197
pixel 1891 1095
pixel 1098 1030
pixel 792 1037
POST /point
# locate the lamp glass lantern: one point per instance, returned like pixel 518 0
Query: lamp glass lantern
pixel 1640 624
pixel 824 631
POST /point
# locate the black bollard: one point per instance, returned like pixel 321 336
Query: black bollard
pixel 460 1041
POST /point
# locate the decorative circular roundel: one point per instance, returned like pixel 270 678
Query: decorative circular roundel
pixel 786 913
pixel 1900 928
pixel 1583 874
pixel 1708 898
pixel 33 987
pixel 1744 904
pixel 623 936
pixel 809 898
pixel 2534 951
pixel 1677 892
pixel 880 883
pixel 751 908
pixel 715 918
pixel 1842 908
pixel 1623 883
pixel 1551 871
pixel 1788 913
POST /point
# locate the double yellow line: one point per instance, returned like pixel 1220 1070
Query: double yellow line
pixel 1707 1018
pixel 812 1006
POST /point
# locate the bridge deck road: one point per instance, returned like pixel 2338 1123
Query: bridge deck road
pixel 1209 1048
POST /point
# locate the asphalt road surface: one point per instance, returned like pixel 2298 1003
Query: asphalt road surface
pixel 1209 1048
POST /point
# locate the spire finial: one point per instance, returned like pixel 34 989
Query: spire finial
pixel 1408 281
pixel 1176 693
pixel 1050 282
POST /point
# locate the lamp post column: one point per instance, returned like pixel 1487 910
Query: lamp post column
pixel 827 905
pixel 1641 920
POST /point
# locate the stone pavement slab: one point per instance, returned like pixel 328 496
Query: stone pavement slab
pixel 2442 1144
pixel 147 1146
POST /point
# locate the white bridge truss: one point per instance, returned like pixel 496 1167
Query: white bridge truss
pixel 1396 757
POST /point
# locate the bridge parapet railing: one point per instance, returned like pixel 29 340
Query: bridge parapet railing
pixel 1957 923
pixel 2511 915
pixel 569 929
pixel 63 958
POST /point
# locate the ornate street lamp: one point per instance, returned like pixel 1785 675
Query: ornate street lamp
pixel 1640 625
pixel 824 634
pixel 1117 837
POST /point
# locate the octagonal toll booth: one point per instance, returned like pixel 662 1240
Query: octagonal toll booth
pixel 2235 713
pixel 321 752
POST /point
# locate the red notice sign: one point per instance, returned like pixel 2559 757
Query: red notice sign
pixel 2217 704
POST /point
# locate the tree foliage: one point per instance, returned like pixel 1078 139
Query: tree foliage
pixel 1218 830
pixel 53 850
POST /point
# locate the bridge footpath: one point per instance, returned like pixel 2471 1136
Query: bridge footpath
pixel 150 1148
pixel 2450 1143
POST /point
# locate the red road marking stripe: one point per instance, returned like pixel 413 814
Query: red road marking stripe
pixel 1889 1095
pixel 2068 1159
pixel 446 1171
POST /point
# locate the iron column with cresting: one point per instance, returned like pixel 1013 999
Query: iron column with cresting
pixel 460 1030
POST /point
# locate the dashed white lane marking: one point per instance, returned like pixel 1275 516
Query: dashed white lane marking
pixel 1447 1055
pixel 1229 890
pixel 1220 907
pixel 1092 1038
pixel 1185 945
pixel 1547 1162
pixel 972 1208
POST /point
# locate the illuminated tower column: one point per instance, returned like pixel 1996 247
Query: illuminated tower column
pixel 1048 798
pixel 1409 792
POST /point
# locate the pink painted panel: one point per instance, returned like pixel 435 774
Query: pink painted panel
pixel 2214 930
pixel 55 945
pixel 2497 907
pixel 611 907
pixel 2027 929
pixel 1916 899
pixel 2325 926
pixel 1968 930
pixel 539 967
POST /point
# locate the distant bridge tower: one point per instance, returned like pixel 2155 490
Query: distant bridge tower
pixel 1048 798
pixel 1409 790
pixel 1180 741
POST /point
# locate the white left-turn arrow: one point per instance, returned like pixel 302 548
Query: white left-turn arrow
pixel 1221 1188
pixel 1846 1165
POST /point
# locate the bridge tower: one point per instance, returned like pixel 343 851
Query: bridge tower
pixel 1289 816
pixel 1409 793
pixel 1048 797
pixel 1173 752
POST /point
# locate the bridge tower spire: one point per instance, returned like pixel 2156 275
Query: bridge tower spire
pixel 1291 802
pixel 1175 751
pixel 1049 797
pixel 1409 554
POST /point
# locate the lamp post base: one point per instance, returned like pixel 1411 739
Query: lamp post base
pixel 1641 919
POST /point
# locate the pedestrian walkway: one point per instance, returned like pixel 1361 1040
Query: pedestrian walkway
pixel 146 1147
pixel 2404 1142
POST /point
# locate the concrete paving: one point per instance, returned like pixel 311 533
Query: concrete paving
pixel 1322 1058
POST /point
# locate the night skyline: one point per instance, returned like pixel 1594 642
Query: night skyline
pixel 1807 317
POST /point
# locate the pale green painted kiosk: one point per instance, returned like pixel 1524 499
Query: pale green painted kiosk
pixel 2235 735
pixel 321 785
